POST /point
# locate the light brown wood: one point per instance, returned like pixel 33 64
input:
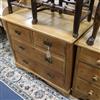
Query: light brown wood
pixel 39 56
pixel 19 32
pixel 57 46
pixel 33 53
pixel 75 73
pixel 89 73
pixel 87 90
pixel 82 41
pixel 30 51
pixel 86 82
pixel 90 57
pixel 86 75
pixel 47 73
pixel 69 62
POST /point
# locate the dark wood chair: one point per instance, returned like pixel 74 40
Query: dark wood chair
pixel 49 4
pixel 79 4
pixel 10 5
pixel 96 26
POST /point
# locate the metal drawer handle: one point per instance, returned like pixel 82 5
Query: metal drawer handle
pixel 47 43
pixel 21 47
pixel 90 93
pixel 98 62
pixel 49 60
pixel 25 61
pixel 95 78
pixel 86 97
pixel 17 32
pixel 48 57
pixel 50 75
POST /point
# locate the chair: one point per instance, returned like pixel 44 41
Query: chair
pixel 79 4
pixel 50 4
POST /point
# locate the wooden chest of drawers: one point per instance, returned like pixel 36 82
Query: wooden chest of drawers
pixel 86 84
pixel 44 50
pixel 30 50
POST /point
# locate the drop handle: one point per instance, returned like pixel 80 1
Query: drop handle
pixel 49 60
pixel 98 62
pixel 26 62
pixel 50 75
pixel 48 56
pixel 90 93
pixel 22 48
pixel 47 43
pixel 17 32
pixel 95 78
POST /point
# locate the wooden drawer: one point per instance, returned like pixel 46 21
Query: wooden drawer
pixel 87 90
pixel 38 68
pixel 89 73
pixel 56 46
pixel 90 57
pixel 57 64
pixel 19 32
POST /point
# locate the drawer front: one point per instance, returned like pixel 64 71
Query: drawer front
pixel 90 57
pixel 56 46
pixel 36 67
pixel 40 56
pixel 89 92
pixel 19 32
pixel 89 73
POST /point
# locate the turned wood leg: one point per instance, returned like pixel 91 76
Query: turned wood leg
pixel 60 4
pixel 91 10
pixel 9 6
pixel 96 26
pixel 34 11
pixel 77 17
pixel 52 9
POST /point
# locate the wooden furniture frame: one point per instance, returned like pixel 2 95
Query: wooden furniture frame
pixel 96 26
pixel 86 78
pixel 45 50
pixel 49 4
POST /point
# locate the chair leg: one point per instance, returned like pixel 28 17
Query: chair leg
pixel 52 9
pixel 77 17
pixel 91 10
pixel 96 26
pixel 9 6
pixel 34 11
pixel 60 4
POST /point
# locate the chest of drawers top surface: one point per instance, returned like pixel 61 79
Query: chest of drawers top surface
pixel 59 26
